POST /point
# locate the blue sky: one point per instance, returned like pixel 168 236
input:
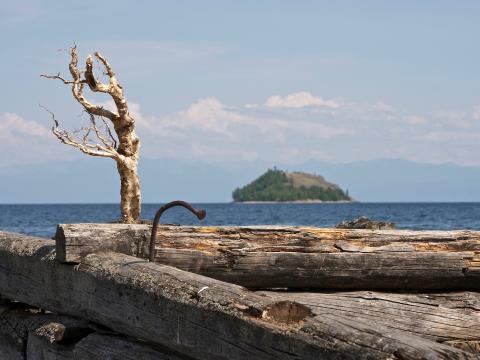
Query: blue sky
pixel 276 82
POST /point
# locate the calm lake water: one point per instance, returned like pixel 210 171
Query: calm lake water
pixel 41 220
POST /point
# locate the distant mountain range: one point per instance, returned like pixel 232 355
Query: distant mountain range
pixel 96 181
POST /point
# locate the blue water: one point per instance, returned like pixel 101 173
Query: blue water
pixel 41 220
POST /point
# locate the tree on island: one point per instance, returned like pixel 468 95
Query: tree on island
pixel 122 144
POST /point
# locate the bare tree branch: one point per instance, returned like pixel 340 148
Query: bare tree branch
pixel 77 91
pixel 125 151
pixel 109 132
pixel 85 137
pixel 83 145
pixel 114 89
pixel 59 77
pixel 105 63
pixel 93 83
pixel 102 137
pixel 78 86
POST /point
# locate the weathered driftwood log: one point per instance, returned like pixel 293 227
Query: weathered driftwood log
pixel 443 317
pixel 101 347
pixel 12 346
pixel 95 347
pixel 195 315
pixel 294 257
pixel 39 348
pixel 27 334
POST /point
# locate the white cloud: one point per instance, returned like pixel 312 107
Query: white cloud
pixel 382 107
pixel 449 114
pixel 449 136
pixel 212 131
pixel 415 120
pixel 476 112
pixel 210 115
pixel 299 99
pixel 13 125
pixel 27 142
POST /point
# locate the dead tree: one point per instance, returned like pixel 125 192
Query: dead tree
pixel 125 151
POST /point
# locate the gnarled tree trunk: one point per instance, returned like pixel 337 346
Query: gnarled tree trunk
pixel 129 190
pixel 123 148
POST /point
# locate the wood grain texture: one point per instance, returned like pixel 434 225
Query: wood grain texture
pixel 453 316
pixel 294 257
pixel 114 347
pixel 39 349
pixel 26 333
pixel 96 347
pixel 197 316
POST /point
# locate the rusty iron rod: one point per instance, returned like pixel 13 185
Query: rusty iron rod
pixel 199 213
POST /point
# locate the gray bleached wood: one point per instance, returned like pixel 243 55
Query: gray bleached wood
pixel 39 349
pixel 96 347
pixel 453 316
pixel 100 347
pixel 164 305
pixel 294 257
pixel 11 345
pixel 125 152
pixel 26 333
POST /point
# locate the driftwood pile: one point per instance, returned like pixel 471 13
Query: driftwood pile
pixel 294 257
pixel 269 293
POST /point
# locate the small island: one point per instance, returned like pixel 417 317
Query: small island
pixel 281 186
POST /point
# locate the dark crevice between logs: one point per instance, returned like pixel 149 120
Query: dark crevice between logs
pixel 58 333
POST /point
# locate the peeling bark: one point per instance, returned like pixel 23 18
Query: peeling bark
pixel 129 190
pixel 293 257
pixel 125 151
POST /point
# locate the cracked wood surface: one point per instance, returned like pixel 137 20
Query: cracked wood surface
pixel 198 316
pixel 27 334
pixel 294 257
pixel 440 317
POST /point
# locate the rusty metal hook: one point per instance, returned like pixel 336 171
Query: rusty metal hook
pixel 199 213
